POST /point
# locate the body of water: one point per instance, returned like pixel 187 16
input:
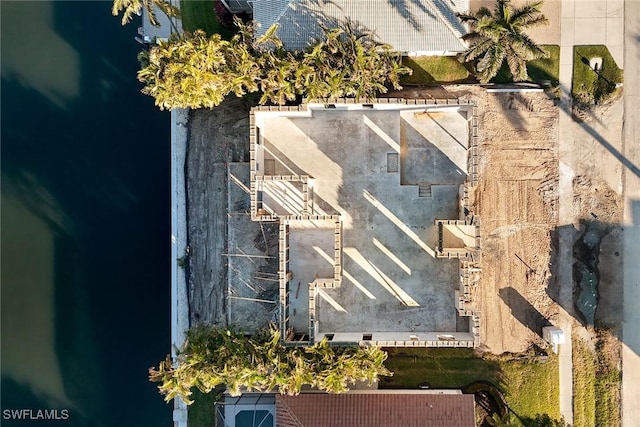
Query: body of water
pixel 85 219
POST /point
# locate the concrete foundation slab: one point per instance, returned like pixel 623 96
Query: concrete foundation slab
pixel 391 279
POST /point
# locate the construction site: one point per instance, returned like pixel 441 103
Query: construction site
pixel 376 243
pixel 422 220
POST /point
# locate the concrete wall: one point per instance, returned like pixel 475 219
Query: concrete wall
pixel 403 338
pixel 179 297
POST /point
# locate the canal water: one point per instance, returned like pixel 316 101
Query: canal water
pixel 85 219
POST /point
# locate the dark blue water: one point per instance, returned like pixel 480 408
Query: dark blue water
pixel 85 219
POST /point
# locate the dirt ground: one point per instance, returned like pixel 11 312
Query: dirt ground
pixel 597 211
pixel 252 259
pixel 517 201
pixel 215 138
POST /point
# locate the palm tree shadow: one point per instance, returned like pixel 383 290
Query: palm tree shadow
pixel 565 108
pixel 403 10
pixel 447 13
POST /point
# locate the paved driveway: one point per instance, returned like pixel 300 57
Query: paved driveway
pixel 548 34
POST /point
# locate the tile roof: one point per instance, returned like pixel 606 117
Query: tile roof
pixel 374 409
pixel 407 25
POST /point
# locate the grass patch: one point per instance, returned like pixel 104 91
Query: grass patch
pixel 201 413
pixel 539 70
pixel 588 86
pixel 530 387
pixel 546 68
pixel 199 14
pixel 434 70
pixel 596 382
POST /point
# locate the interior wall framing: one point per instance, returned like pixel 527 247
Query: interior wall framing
pixel 464 297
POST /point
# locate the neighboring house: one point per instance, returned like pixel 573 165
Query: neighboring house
pixel 411 27
pixel 379 408
pixel 238 6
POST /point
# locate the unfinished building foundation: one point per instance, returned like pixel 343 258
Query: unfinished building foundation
pixel 377 243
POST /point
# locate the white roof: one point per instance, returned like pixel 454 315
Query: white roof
pixel 406 25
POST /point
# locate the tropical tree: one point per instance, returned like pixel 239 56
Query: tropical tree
pixel 194 70
pixel 350 62
pixel 212 356
pixel 191 70
pixel 134 7
pixel 498 36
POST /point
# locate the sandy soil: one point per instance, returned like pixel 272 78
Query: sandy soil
pixel 516 199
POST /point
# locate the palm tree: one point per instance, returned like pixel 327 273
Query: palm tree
pixel 499 36
pixel 134 7
pixel 213 356
pixel 350 62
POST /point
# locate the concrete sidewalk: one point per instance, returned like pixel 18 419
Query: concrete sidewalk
pixel 582 22
pixel 631 151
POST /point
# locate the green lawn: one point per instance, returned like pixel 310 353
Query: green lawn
pixel 199 14
pixel 202 410
pixel 587 85
pixel 529 387
pixel 539 70
pixel 584 397
pixel 433 70
pixel 447 69
pixel 596 386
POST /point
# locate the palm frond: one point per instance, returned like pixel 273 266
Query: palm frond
pixel 499 9
pixel 491 62
pixel 526 12
pixel 270 37
pixel 466 17
pixel 128 7
pixel 518 68
pixel 477 50
pixel 527 48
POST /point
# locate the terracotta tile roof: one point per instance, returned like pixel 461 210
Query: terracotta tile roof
pixel 375 410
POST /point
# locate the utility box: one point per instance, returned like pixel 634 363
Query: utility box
pixel 554 336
